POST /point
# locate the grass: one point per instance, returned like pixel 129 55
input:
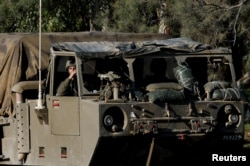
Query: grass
pixel 247 137
pixel 247 126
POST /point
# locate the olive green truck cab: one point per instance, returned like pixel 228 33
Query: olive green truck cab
pixel 130 97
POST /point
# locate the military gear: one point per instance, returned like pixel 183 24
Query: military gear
pixel 68 88
pixel 70 63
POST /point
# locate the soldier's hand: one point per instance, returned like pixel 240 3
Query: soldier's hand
pixel 72 73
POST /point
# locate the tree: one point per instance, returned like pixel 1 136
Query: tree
pixel 132 16
pixel 57 15
pixel 218 23
pixel 16 15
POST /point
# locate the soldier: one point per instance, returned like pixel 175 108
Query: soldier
pixel 68 87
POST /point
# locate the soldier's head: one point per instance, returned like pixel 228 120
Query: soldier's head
pixel 69 65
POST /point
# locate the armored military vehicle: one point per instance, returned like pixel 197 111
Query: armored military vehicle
pixel 131 97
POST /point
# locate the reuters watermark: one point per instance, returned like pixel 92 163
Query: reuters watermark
pixel 228 158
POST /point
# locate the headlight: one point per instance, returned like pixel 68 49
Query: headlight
pixel 234 118
pixel 229 116
pixel 114 119
pixel 108 120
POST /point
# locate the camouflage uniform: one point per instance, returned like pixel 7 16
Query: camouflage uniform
pixel 67 88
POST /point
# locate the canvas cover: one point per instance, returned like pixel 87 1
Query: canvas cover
pixel 130 48
pixel 19 56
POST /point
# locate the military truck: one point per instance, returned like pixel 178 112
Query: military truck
pixel 131 97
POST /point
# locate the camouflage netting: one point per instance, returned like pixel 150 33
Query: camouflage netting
pixel 210 86
pixel 184 76
pixel 19 56
pixel 226 94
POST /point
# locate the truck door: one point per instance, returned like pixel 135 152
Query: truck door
pixel 64 115
pixel 64 110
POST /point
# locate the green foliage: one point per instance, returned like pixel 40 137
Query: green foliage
pixel 247 126
pixel 66 15
pixel 57 15
pixel 16 15
pixel 246 62
pixel 209 22
pixel 133 16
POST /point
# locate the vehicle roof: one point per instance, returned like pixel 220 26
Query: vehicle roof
pixel 135 49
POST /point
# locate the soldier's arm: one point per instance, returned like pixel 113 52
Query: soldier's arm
pixel 63 87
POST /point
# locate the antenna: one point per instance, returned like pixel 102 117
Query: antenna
pixel 39 101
